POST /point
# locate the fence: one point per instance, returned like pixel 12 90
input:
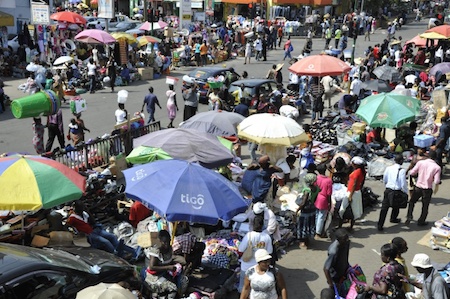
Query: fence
pixel 98 152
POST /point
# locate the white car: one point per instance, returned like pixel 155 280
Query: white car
pixel 13 44
pixel 111 22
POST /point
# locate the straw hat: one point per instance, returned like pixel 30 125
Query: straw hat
pixel 396 42
pixel 279 66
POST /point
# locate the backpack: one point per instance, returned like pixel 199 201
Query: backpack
pixel 291 48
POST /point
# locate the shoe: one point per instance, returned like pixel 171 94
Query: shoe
pixel 408 221
pixel 425 223
pixel 396 220
pixel 380 228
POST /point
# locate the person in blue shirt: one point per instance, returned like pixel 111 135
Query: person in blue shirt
pixel 151 100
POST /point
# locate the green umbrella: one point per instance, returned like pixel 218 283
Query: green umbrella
pixel 146 154
pixel 227 143
pixel 388 110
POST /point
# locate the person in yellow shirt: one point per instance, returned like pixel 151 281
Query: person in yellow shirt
pixel 204 53
pixel 239 93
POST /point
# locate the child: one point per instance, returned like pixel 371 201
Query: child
pixel 38 138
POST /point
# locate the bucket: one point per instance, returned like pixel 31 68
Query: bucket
pixel 122 96
pixel 34 105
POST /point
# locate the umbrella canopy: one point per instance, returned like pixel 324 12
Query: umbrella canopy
pixel 388 110
pixel 221 123
pixel 69 17
pixel 442 29
pixel 386 72
pixel 183 191
pixel 124 36
pixel 74 1
pixel 156 25
pixel 432 35
pixel 189 145
pixel 105 291
pixel 266 128
pixel 143 40
pixel 376 85
pixel 95 36
pixel 62 59
pixel 146 154
pixel 33 182
pixel 443 67
pixel 418 41
pixel 319 65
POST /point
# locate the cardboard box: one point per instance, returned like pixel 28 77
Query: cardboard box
pixel 146 73
pixel 148 239
pixel 358 128
pixel 423 140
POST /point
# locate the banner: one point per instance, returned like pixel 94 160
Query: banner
pixel 209 7
pixel 106 9
pixel 40 12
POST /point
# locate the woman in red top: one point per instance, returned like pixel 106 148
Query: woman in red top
pixel 354 186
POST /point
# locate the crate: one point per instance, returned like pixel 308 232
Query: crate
pixel 423 140
pixel 146 73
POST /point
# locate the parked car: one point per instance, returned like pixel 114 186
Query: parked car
pixel 254 87
pixel 124 26
pixel 29 272
pixel 13 43
pixel 201 75
pixel 111 22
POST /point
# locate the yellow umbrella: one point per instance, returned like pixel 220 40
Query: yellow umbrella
pixel 122 35
pixel 82 5
pixel 433 35
pixel 143 40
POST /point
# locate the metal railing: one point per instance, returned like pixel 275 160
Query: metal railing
pixel 98 152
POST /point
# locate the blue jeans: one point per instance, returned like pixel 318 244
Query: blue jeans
pixel 92 82
pixel 101 239
pixel 252 147
pixel 287 54
pixel 151 115
pixel 321 216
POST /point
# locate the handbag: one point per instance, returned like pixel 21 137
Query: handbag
pixel 398 198
pixel 248 253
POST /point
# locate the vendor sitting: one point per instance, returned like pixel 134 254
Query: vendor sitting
pixel 373 139
pixel 138 212
pixel 186 245
pixel 164 268
pixel 346 104
pixel 83 222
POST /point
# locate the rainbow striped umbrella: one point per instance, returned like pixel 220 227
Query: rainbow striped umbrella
pixel 30 183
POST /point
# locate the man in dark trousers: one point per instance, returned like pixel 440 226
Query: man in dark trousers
pixel 337 264
pixel 264 47
pixel 151 100
pixel 55 129
pixel 394 179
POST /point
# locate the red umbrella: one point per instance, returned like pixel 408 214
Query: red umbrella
pixel 443 29
pixel 319 65
pixel 417 41
pixel 69 17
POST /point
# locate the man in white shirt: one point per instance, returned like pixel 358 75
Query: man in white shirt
pixel 330 87
pixel 394 179
pixel 258 48
pixel 355 86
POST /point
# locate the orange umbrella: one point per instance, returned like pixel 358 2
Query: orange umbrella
pixel 443 29
pixel 319 65
pixel 69 17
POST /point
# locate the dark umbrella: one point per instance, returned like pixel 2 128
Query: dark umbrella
pixel 376 85
pixel 386 72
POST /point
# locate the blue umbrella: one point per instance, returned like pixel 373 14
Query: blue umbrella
pixel 184 191
pixel 74 1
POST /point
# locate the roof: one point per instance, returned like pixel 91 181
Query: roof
pixel 252 82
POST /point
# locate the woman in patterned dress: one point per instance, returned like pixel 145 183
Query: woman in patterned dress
pixel 38 138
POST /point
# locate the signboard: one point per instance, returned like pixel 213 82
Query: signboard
pixel 40 14
pixel 199 16
pixel 186 7
pixel 186 17
pixel 106 9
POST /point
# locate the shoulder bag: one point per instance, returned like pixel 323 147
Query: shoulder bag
pixel 248 253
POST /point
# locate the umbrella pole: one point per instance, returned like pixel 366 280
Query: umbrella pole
pixel 174 229
pixel 23 229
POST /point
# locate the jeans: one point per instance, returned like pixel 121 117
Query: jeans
pixel 385 205
pixel 101 239
pixel 321 216
pixel 418 193
pixel 287 54
pixel 92 83
pixel 151 115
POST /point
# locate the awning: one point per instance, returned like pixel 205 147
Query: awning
pixel 6 19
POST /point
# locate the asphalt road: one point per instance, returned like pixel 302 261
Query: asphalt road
pixel 301 268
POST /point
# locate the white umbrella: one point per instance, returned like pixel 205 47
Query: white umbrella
pixel 105 291
pixel 32 67
pixel 267 128
pixel 62 60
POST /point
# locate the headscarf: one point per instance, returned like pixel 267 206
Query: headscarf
pixel 310 178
